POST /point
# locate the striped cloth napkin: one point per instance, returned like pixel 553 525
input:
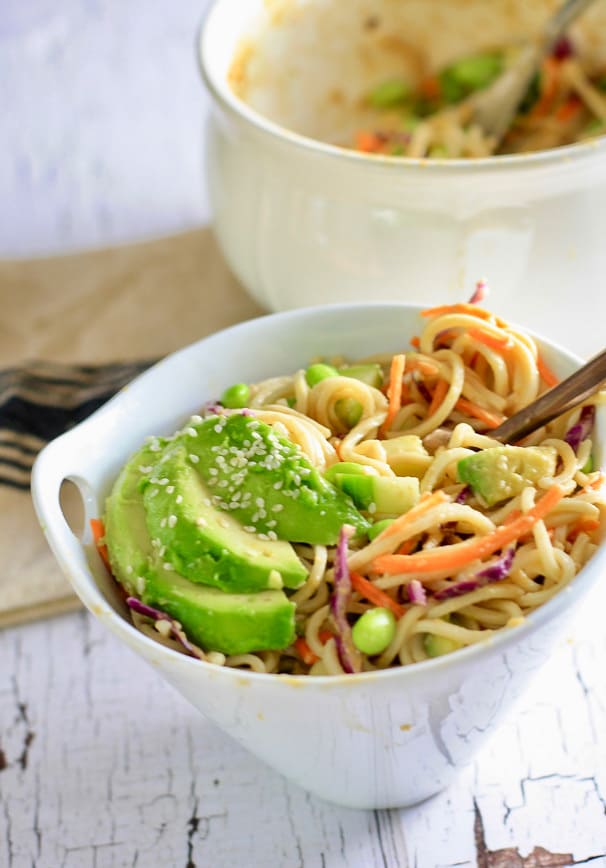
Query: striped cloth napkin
pixel 40 400
pixel 81 313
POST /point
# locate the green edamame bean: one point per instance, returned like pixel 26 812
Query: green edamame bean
pixel 318 372
pixel 349 411
pixel 378 527
pixel 389 93
pixel 374 630
pixel 236 397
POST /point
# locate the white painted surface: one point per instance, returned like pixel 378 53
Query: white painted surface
pixel 101 123
pixel 107 766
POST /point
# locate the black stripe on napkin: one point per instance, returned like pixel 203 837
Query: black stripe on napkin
pixel 41 400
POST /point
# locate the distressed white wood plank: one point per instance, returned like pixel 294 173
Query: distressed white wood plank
pixel 107 766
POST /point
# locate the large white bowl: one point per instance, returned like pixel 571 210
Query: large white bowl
pixel 303 222
pixel 371 740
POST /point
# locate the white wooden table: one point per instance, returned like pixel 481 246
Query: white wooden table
pixel 104 765
pixel 101 764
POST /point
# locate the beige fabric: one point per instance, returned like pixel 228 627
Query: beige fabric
pixel 132 302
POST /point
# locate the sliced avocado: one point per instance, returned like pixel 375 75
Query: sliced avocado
pixel 371 374
pixel 391 496
pixel 406 455
pixel 217 621
pixel 205 544
pixel 501 472
pixel 266 482
pixel 346 467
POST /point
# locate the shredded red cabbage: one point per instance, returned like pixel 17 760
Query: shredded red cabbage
pixel 175 628
pixel 480 292
pixel 494 572
pixel 563 48
pixel 416 592
pixel 349 655
pixel 583 428
pixel 463 494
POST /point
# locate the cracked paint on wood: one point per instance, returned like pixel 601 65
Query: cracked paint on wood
pixel 102 764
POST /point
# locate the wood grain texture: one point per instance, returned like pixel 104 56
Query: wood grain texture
pixel 102 764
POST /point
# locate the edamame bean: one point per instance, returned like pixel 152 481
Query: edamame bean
pixel 349 411
pixel 378 527
pixel 318 372
pixel 374 630
pixel 236 396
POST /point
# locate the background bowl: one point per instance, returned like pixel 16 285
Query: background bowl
pixel 301 221
pixel 371 740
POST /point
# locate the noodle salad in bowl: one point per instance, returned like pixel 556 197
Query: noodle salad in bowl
pixel 356 514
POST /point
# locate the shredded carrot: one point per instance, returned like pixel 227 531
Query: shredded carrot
pixel 453 557
pixel 394 390
pixel 569 109
pixel 368 141
pixel 424 367
pixel 302 648
pixel 583 525
pixel 598 482
pixel 98 529
pixel 427 502
pixel 439 393
pixel 493 420
pixel 430 87
pixel 415 342
pixel 408 546
pixel 375 595
pixel 443 338
pixel 549 87
pixel 545 373
pixel 460 307
pixel 495 343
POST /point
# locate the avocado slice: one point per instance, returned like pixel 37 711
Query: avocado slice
pixel 406 455
pixel 207 545
pixel 501 472
pixel 217 621
pixel 266 482
pixel 390 496
pixel 371 373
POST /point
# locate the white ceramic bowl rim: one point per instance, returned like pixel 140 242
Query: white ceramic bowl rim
pixel 222 93
pixel 87 589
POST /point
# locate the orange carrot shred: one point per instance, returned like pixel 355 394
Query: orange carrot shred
pixel 569 109
pixel 596 483
pixel 452 557
pixel 460 307
pixel 495 343
pixel 427 502
pixel 394 390
pixel 439 393
pixel 493 420
pixel 546 374
pixel 375 595
pixel 308 656
pixel 98 529
pixel 367 141
pixel 415 342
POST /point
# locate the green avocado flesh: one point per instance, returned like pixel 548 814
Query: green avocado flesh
pixel 266 483
pixel 207 545
pixel 233 623
pixel 501 472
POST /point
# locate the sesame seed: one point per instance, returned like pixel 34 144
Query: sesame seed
pixel 163 481
pixel 167 566
pixel 179 498
pixel 145 468
pixel 129 569
pixel 194 458
pixel 196 419
pixel 163 522
pixel 372 508
pixel 201 522
pixel 172 520
pixel 170 489
pixel 277 507
pixel 140 584
pixel 191 432
pixel 250 529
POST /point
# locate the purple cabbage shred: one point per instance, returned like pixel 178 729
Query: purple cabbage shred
pixel 349 656
pixel 494 572
pixel 416 593
pixel 175 628
pixel 583 428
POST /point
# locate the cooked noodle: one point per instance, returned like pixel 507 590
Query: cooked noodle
pixel 489 370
